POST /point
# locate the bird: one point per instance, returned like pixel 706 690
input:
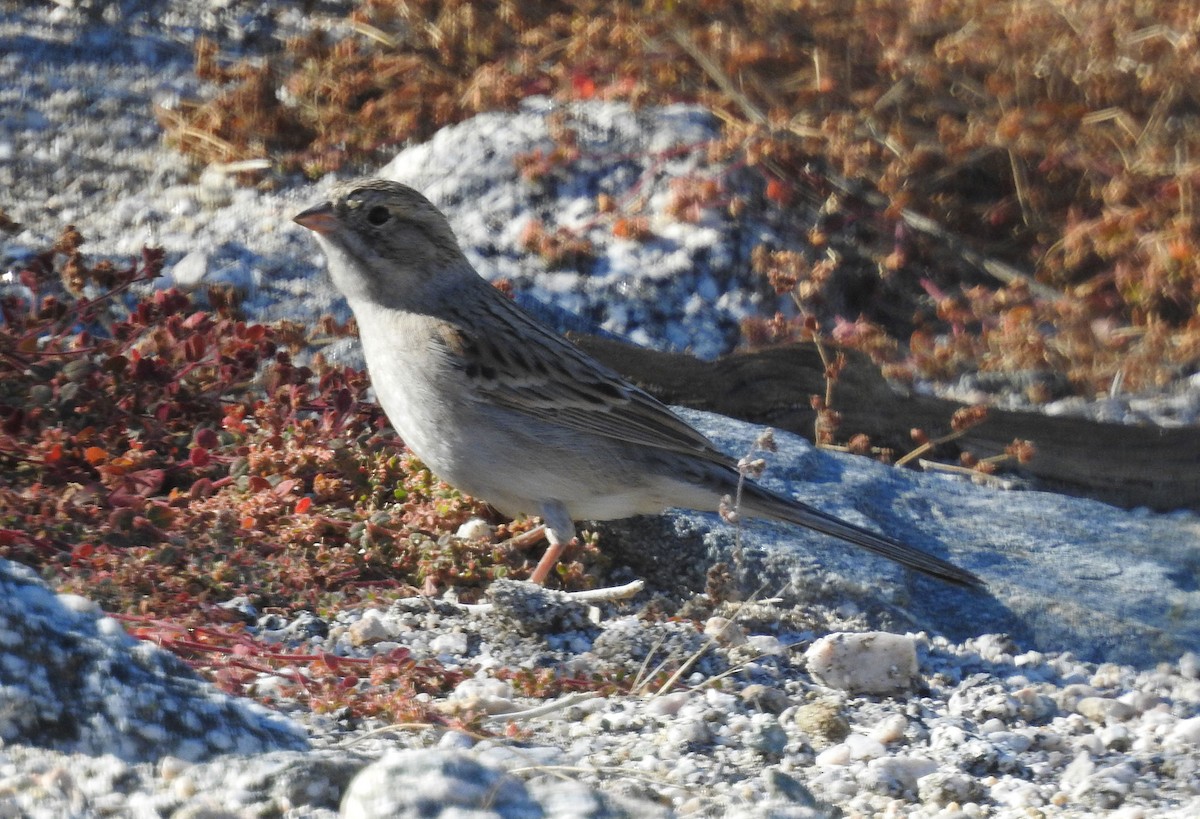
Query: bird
pixel 510 412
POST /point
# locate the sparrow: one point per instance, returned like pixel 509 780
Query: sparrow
pixel 512 413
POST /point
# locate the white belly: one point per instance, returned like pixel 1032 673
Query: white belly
pixel 497 455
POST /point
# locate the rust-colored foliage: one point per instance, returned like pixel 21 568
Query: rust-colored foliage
pixel 1058 137
pixel 162 458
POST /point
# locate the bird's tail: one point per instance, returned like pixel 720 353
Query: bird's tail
pixel 758 501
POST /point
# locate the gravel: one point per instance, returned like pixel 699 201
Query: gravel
pixel 974 728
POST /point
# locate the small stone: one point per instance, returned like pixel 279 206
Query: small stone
pixel 184 787
pixel 783 786
pixel 864 747
pixel 823 721
pixel 368 631
pixel 1187 730
pixel 767 737
pixel 170 767
pixel 890 729
pixel 449 644
pixel 189 271
pixel 765 698
pixel 897 775
pixel 1035 707
pixel 79 604
pixel 434 783
pixel 456 741
pixel 724 631
pixel 1070 695
pixel 1103 709
pixel 475 529
pixel 834 756
pixel 485 694
pixel 685 732
pixel 1115 737
pixel 873 662
pixel 1189 665
pixel 668 705
pixel 944 787
pixel 993 726
pixel 767 645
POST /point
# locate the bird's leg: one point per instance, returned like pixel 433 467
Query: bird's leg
pixel 560 532
pixel 549 560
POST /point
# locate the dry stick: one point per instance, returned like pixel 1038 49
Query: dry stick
pixel 376 34
pixel 640 689
pixel 1021 186
pixel 993 267
pixel 985 478
pixel 545 708
pixel 614 770
pixel 638 679
pixel 387 729
pixel 930 444
pixel 683 669
pixel 586 596
pixel 718 76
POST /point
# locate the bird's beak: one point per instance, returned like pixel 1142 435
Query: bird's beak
pixel 318 218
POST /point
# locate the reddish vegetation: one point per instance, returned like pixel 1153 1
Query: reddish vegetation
pixel 1057 138
pixel 162 459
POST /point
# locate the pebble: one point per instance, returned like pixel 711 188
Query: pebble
pixel 489 695
pixel 1187 730
pixel 1103 709
pixel 369 630
pixel 864 663
pixel 724 631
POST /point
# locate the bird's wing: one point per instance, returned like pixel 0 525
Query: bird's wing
pixel 529 369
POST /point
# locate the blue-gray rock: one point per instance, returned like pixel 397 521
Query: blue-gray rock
pixel 72 679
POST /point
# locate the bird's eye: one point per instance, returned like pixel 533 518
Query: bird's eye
pixel 378 215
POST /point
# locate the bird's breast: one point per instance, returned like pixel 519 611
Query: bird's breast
pixel 423 396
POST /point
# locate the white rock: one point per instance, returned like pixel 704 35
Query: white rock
pixel 487 693
pixel 902 769
pixel 1014 793
pixel 368 631
pixel 1076 775
pixel 475 529
pixel 170 767
pixel 872 662
pixel 835 756
pixel 890 729
pixel 724 631
pixel 668 705
pixel 453 643
pixel 1189 663
pixel 684 732
pixel 766 644
pixel 79 604
pixel 189 271
pixel 864 747
pixel 1103 709
pixel 1187 730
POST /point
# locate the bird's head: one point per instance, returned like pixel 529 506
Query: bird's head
pixel 386 243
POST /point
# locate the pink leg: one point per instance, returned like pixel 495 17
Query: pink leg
pixel 547 563
pixel 560 531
